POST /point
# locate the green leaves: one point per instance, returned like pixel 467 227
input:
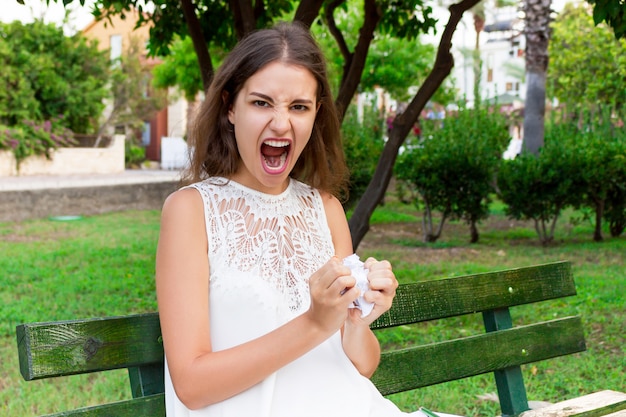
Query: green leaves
pixel 49 74
pixel 33 138
pixel 587 65
pixel 612 12
pixel 453 168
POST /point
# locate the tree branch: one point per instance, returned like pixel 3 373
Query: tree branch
pixel 307 11
pixel 199 43
pixel 353 69
pixel 359 222
pixel 329 17
pixel 243 12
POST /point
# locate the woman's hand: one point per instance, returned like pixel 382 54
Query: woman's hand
pixel 383 284
pixel 332 290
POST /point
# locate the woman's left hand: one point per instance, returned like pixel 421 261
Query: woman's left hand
pixel 383 284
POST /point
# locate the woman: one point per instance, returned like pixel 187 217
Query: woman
pixel 254 299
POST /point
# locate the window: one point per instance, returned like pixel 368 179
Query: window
pixel 116 46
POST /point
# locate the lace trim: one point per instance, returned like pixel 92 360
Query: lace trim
pixel 281 239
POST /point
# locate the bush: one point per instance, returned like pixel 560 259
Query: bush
pixel 538 188
pixel 453 168
pixel 46 73
pixel 580 166
pixel 602 154
pixel 134 154
pixel 33 138
pixel 363 144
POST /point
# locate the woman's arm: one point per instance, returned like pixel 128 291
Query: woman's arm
pixel 200 376
pixel 359 342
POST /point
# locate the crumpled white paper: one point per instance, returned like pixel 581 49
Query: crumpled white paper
pixel 360 273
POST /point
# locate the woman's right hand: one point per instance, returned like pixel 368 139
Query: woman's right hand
pixel 332 290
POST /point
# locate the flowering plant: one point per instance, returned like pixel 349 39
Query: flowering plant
pixel 35 138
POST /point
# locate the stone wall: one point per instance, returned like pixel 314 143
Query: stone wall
pixel 83 201
pixel 69 161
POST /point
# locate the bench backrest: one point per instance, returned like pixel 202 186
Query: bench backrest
pixel 134 342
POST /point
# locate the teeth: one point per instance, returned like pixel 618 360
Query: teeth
pixel 276 143
pixel 282 159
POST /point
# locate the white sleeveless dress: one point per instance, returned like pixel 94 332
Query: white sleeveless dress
pixel 262 250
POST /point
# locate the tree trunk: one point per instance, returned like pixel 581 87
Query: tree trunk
pixel 534 112
pixel 597 233
pixel 199 44
pixel 355 63
pixel 308 11
pixel 359 222
pixel 245 21
pixel 537 31
pixel 473 232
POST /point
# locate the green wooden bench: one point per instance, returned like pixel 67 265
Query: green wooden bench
pixel 134 342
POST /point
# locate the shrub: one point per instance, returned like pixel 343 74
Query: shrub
pixel 601 155
pixel 33 138
pixel 454 166
pixel 134 154
pixel 538 188
pixel 47 73
pixel 363 144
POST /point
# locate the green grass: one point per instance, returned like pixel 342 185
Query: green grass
pixel 104 265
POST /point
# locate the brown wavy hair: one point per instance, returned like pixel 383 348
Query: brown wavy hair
pixel 211 138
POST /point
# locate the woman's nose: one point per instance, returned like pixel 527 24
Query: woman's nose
pixel 280 120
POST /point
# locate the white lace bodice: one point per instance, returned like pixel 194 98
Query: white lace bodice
pixel 281 239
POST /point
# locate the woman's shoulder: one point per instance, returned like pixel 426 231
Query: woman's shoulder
pixel 327 199
pixel 183 199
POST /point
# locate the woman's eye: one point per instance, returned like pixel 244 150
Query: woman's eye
pixel 299 107
pixel 260 103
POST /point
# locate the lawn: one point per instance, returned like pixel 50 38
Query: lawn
pixel 104 265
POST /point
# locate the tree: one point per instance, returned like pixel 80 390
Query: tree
pixel 180 69
pixel 221 23
pixel 454 166
pixel 613 12
pixel 134 101
pixel 587 64
pixel 359 222
pixel 48 74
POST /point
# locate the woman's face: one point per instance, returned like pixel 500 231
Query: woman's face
pixel 273 118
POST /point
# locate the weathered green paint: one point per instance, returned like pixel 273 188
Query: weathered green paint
pixel 151 406
pixel 134 342
pixel 147 379
pixel 509 381
pixel 79 346
pixel 429 300
pixel 431 364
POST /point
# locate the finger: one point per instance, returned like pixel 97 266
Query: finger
pixel 369 262
pixel 342 284
pixel 329 273
pixel 375 265
pixel 384 283
pixel 379 299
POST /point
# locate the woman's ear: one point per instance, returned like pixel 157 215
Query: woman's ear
pixel 227 103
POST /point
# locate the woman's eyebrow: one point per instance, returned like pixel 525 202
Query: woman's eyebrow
pixel 262 96
pixel 267 98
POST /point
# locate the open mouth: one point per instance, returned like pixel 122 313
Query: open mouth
pixel 275 154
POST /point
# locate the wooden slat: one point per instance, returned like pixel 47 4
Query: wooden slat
pixel 428 300
pixel 79 346
pixel 445 361
pixel 151 406
pixel 601 403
